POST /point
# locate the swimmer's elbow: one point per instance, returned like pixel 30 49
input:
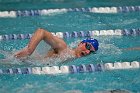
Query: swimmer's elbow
pixel 29 51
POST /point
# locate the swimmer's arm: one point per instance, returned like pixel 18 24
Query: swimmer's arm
pixel 39 35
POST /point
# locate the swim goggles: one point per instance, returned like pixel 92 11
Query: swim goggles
pixel 89 47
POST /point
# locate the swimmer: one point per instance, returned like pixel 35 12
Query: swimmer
pixel 58 47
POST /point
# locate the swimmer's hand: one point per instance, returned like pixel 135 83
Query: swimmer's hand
pixel 22 53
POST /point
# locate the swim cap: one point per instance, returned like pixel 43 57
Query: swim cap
pixel 92 41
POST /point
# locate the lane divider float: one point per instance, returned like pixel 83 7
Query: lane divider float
pixel 43 12
pixel 74 34
pixel 90 68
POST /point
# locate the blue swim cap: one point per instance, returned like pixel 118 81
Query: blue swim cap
pixel 94 42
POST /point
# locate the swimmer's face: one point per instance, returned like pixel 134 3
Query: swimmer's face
pixel 84 49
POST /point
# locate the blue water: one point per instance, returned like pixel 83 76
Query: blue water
pixel 110 49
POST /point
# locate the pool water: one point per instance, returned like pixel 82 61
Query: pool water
pixel 110 49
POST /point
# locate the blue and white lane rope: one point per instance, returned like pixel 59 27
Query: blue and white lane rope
pixel 19 13
pixel 74 34
pixel 91 68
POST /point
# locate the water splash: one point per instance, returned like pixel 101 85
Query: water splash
pixel 109 49
pixel 74 44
